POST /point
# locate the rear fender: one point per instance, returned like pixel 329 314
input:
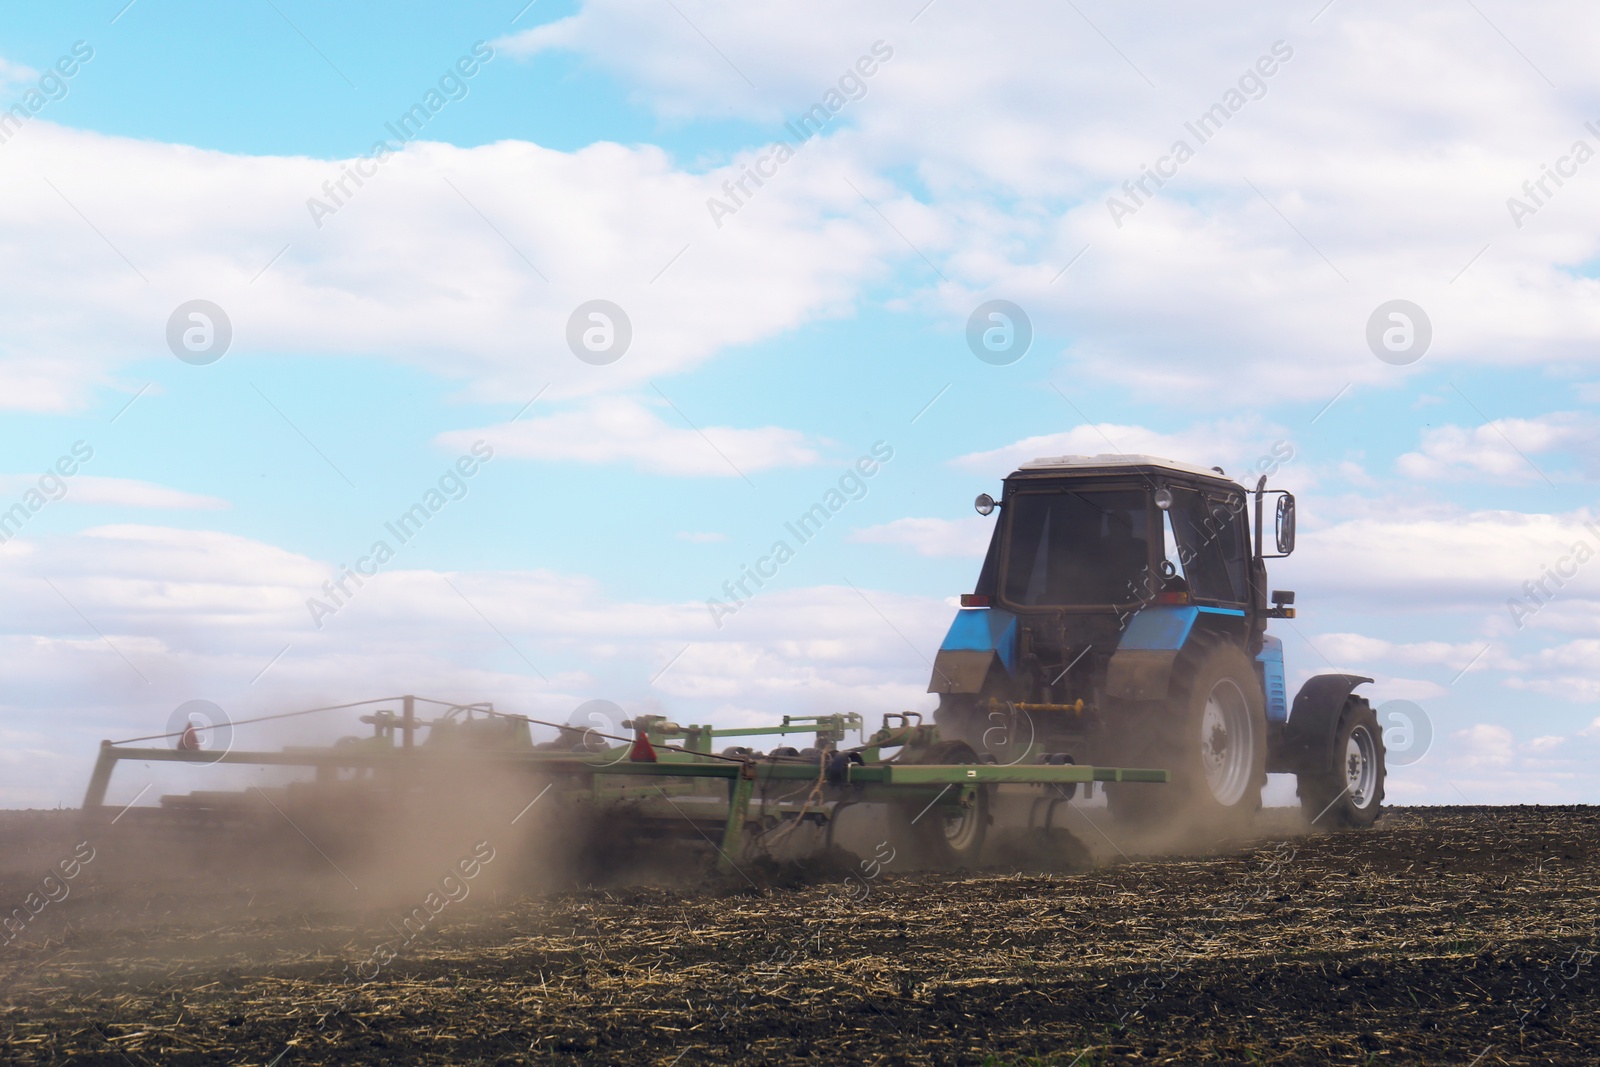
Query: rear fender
pixel 962 670
pixel 1141 667
pixel 1314 723
pixel 980 640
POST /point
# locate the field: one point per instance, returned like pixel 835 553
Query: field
pixel 1444 935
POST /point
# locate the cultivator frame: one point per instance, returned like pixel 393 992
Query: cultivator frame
pixel 862 774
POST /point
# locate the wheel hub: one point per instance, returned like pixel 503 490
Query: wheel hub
pixel 1361 767
pixel 961 826
pixel 1226 745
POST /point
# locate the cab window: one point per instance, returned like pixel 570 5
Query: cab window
pixel 1210 549
pixel 1078 547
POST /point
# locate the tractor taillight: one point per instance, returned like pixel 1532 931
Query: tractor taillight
pixel 1172 596
pixel 974 600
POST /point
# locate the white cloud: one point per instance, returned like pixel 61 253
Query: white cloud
pixel 15 76
pixel 121 624
pixel 28 383
pixel 1017 128
pixel 1572 687
pixel 1392 160
pixel 623 430
pixel 1355 474
pixel 1484 745
pixel 1388 687
pixel 117 492
pixel 1419 557
pixel 405 269
pixel 757 75
pixel 932 537
pixel 1242 446
pixel 1507 451
pixel 1573 654
pixel 1569 671
pixel 1358 648
pixel 1380 161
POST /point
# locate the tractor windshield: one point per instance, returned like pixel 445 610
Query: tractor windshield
pixel 1077 547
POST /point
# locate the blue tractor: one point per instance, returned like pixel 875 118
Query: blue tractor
pixel 1120 618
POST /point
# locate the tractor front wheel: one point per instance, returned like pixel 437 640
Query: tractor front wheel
pixel 1346 789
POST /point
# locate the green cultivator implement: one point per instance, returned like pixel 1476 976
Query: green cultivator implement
pixel 665 784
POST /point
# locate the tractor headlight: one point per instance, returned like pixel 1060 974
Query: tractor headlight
pixel 1163 498
pixel 984 503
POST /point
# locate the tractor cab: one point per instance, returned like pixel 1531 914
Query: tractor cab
pixel 1110 533
pixel 1084 546
pixel 1112 588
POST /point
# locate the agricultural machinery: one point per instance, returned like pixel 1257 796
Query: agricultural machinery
pixel 662 789
pixel 1121 615
pixel 1116 635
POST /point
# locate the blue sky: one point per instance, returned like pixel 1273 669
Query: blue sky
pixel 374 344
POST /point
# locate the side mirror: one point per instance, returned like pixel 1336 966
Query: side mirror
pixel 1285 535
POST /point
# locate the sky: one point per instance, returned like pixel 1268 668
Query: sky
pixel 615 291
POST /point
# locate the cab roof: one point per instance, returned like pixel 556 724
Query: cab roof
pixel 1123 463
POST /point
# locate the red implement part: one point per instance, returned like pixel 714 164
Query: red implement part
pixel 643 751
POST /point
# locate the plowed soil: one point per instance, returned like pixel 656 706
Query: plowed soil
pixel 1443 935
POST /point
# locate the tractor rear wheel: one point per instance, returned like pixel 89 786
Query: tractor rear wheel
pixel 1346 790
pixel 1211 734
pixel 938 834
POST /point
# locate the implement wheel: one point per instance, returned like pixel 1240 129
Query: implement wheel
pixel 938 834
pixel 1347 788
